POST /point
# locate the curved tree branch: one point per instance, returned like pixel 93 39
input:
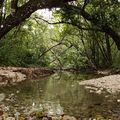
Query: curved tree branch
pixel 25 11
pixel 64 22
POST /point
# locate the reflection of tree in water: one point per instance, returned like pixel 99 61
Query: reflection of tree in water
pixel 72 97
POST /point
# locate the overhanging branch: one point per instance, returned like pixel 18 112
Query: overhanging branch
pixel 25 11
pixel 64 22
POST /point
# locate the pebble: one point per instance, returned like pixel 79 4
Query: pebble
pixel 10 118
pixel 2 96
pixel 1 112
pixel 57 118
pixel 44 118
pixel 67 117
pixel 99 92
pixel 17 91
pixel 118 100
pixel 91 91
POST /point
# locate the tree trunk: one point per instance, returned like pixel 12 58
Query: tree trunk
pixel 109 55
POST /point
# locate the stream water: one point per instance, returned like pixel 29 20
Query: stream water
pixel 59 94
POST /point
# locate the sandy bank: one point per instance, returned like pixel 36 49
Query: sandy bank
pixel 111 84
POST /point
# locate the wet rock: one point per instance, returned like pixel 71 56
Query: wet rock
pixel 2 96
pixel 40 114
pixel 3 80
pixel 99 92
pixel 1 112
pixel 106 96
pixel 1 118
pixel 5 109
pixel 32 114
pixel 18 74
pixel 17 91
pixel 67 117
pixel 10 76
pixel 21 118
pixel 45 118
pixel 92 91
pixel 57 118
pixel 10 118
pixel 118 100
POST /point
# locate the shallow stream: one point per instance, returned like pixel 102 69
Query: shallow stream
pixel 59 94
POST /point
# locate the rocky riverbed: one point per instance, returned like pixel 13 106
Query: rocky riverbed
pixel 18 74
pixel 110 84
pixel 60 96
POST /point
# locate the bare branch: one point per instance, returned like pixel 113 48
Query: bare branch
pixel 64 22
pixel 85 4
pixel 61 41
pixel 62 53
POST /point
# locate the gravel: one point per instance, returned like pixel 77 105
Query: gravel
pixel 109 83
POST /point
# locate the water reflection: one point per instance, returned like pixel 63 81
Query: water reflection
pixel 59 94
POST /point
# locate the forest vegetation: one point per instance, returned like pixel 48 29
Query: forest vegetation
pixel 78 34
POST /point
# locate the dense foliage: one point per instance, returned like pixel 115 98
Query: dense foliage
pixel 79 35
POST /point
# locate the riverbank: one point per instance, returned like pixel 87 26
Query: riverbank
pixel 18 74
pixel 110 84
pixel 54 97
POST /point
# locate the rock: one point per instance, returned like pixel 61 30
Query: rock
pixel 3 80
pixel 40 114
pixel 1 112
pixel 21 118
pixel 99 92
pixel 6 108
pixel 1 118
pixel 91 91
pixel 8 75
pixel 106 96
pixel 57 118
pixel 18 74
pixel 17 91
pixel 2 97
pixel 32 114
pixel 118 100
pixel 67 117
pixel 10 118
pixel 44 118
